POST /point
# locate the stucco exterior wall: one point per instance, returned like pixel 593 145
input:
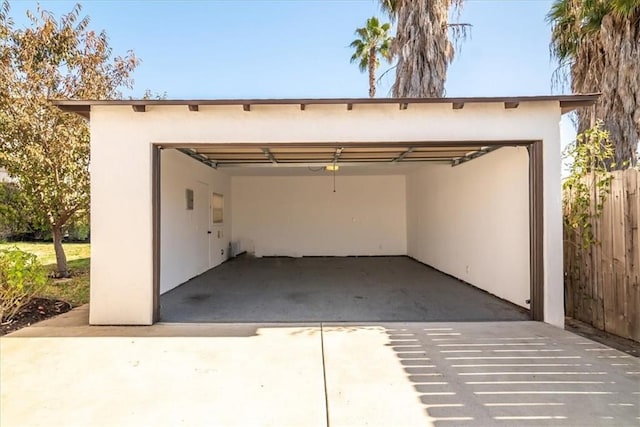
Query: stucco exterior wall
pixel 187 249
pixel 472 221
pixel 121 153
pixel 301 215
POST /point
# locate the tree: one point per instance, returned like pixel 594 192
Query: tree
pixel 372 43
pixel 44 149
pixel 15 220
pixel 597 43
pixel 422 44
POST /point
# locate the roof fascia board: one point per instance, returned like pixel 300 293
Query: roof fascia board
pixel 567 102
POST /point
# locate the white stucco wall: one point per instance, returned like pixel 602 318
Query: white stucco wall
pixel 301 215
pixel 121 182
pixel 472 221
pixel 185 245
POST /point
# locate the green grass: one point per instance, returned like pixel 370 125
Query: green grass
pixel 74 290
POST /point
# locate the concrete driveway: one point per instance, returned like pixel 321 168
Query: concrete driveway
pixel 62 372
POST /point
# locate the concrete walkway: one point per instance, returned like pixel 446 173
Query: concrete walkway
pixel 63 372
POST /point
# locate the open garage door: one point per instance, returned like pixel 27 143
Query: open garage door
pixel 420 231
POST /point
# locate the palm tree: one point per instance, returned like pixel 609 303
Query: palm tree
pixel 373 41
pixel 597 43
pixel 422 44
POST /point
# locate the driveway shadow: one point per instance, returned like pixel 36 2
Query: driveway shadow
pixel 509 373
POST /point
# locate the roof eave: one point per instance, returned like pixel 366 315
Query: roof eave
pixel 567 102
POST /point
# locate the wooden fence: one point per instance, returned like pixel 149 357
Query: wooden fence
pixel 601 281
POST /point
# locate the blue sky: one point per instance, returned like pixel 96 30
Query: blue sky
pixel 299 48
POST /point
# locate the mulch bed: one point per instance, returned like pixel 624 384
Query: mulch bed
pixel 37 310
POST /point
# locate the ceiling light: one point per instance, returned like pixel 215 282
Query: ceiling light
pixel 332 168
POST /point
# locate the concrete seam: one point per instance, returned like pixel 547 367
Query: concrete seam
pixel 324 375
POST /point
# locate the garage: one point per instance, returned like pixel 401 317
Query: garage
pixel 326 240
pixel 326 209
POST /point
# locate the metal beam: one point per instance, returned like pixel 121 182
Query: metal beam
pixel 403 155
pixel 352 144
pixel 324 164
pixel 336 155
pixel 269 155
pixel 199 157
pixel 474 155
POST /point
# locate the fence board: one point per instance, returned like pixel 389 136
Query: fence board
pixel 615 319
pixel 623 325
pixel 633 255
pixel 602 281
pixel 605 247
pixel 568 256
pixel 592 277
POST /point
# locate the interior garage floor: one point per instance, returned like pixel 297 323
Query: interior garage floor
pixel 353 289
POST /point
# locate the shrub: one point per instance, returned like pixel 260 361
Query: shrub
pixel 21 278
pixel 78 231
pixel 15 221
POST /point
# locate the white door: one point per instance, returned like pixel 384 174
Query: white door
pixel 217 249
pixel 201 208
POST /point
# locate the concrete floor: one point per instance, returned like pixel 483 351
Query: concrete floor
pixel 364 289
pixel 64 372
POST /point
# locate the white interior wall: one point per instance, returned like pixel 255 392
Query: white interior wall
pixel 472 221
pixel 301 215
pixel 184 243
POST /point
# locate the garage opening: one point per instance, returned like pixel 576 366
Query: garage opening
pixel 420 231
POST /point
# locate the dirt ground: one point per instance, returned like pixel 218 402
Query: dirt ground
pixel 577 327
pixel 37 310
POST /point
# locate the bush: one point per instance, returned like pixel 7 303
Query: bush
pixel 21 278
pixel 14 219
pixel 78 231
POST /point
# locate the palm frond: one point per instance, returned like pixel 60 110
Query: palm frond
pixel 389 7
pixel 565 22
pixel 363 65
pixel 625 8
pixel 373 41
pixel 597 43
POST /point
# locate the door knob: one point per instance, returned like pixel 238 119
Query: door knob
pixel 209 232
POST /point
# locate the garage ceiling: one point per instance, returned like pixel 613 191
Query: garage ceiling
pixel 255 156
